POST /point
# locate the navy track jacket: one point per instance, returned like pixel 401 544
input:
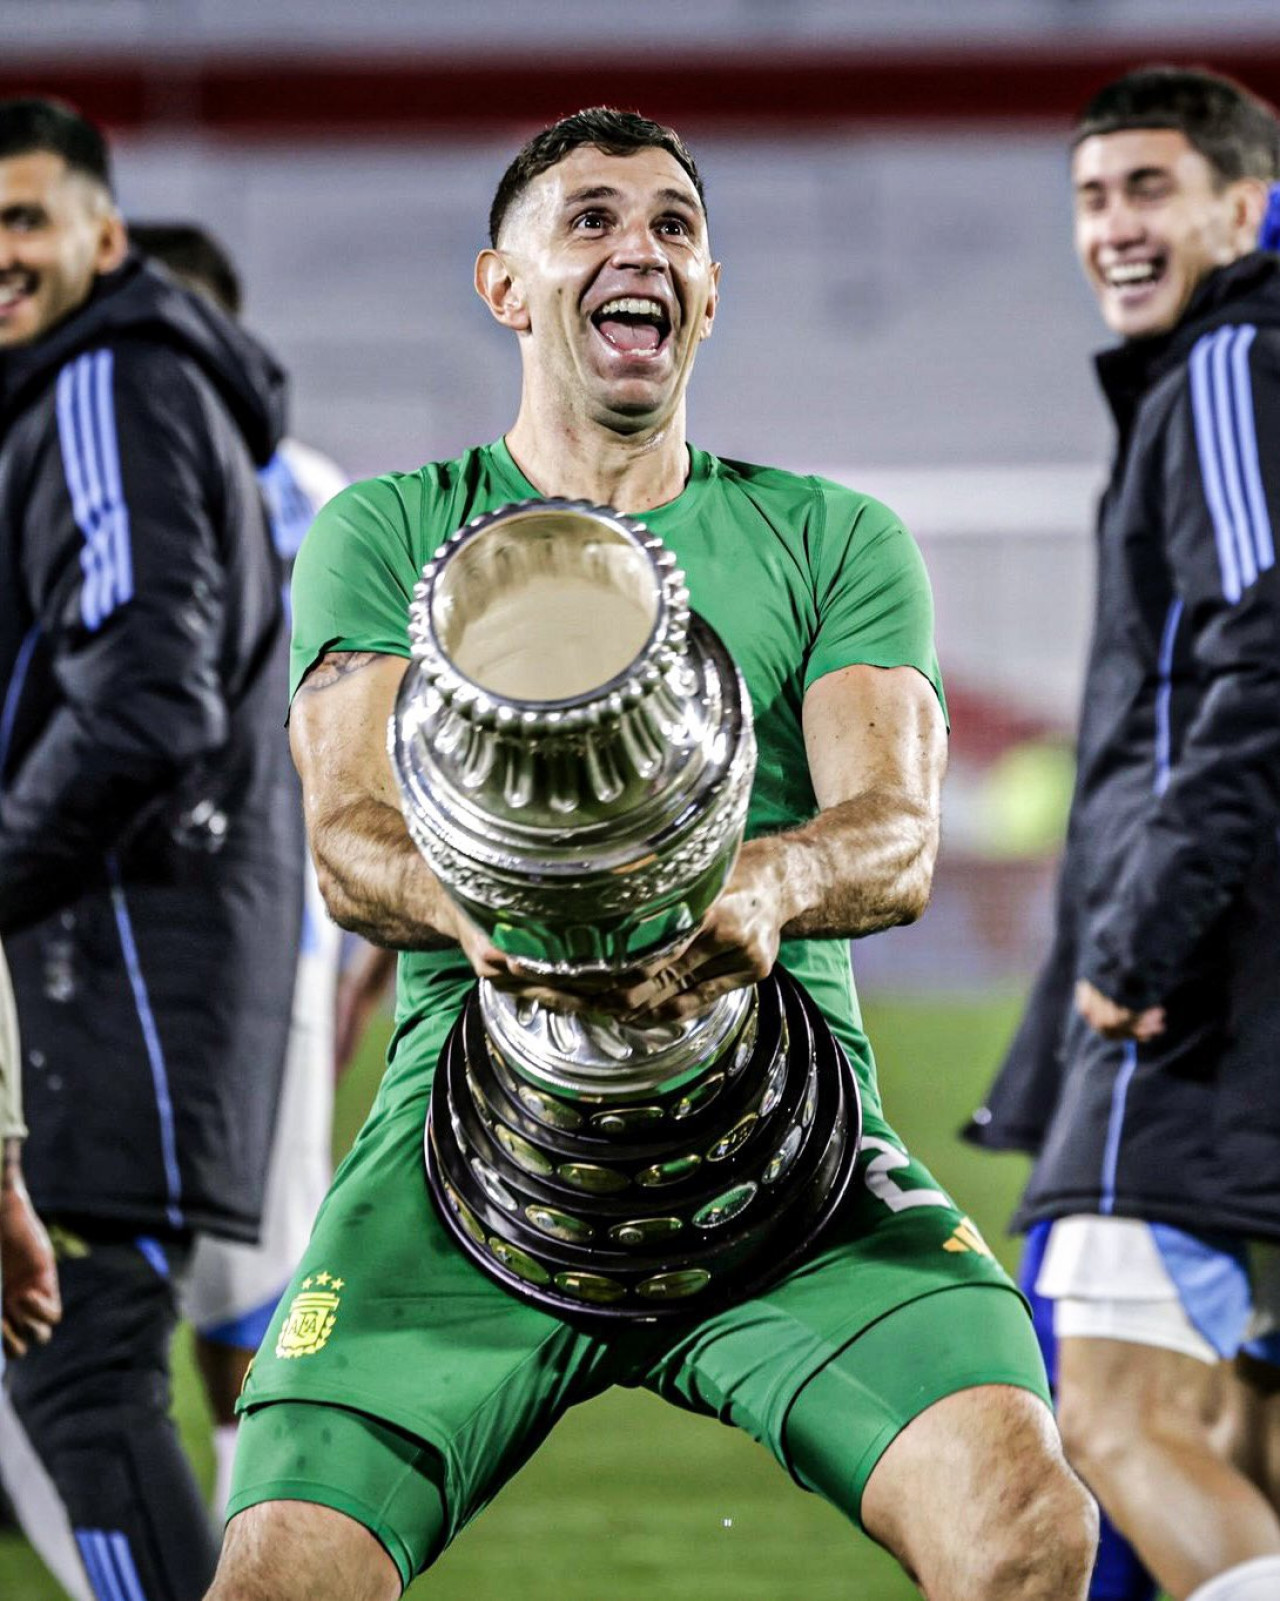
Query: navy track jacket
pixel 150 834
pixel 1170 885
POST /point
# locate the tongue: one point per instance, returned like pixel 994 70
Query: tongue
pixel 630 335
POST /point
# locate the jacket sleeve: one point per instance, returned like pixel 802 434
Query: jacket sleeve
pixel 121 558
pixel 1220 799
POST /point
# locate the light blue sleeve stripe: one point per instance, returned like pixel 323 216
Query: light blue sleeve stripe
pixel 1250 462
pixel 126 1568
pixel 93 1548
pixel 1210 472
pixel 116 521
pixel 86 434
pixel 81 510
pixel 1229 455
pixel 89 1556
pixel 91 462
pixel 151 1038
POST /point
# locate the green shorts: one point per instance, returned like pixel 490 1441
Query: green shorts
pixel 401 1386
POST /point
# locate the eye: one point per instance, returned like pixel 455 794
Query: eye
pixel 589 221
pixel 677 227
pixel 1152 189
pixel 23 219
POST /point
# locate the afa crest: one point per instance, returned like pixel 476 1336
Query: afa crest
pixel 311 1317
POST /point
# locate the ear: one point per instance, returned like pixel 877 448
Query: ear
pixel 499 288
pixel 113 243
pixel 713 302
pixel 1249 198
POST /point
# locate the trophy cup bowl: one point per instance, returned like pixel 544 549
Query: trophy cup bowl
pixel 574 751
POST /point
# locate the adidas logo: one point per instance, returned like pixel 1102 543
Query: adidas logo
pixel 965 1237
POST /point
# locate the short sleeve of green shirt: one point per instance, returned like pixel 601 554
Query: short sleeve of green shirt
pixel 354 576
pixel 874 602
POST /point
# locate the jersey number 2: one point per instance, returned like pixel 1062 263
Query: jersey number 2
pixel 886 1189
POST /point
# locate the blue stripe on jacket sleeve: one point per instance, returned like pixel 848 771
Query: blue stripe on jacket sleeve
pixel 91 463
pixel 1210 468
pixel 1250 461
pixel 1230 466
pixel 1224 415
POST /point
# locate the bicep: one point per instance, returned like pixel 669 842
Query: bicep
pixel 338 731
pixel 875 730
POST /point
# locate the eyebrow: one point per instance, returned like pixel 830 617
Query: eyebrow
pixel 604 191
pixel 1137 175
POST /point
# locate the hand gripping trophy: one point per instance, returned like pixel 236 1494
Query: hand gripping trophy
pixel 575 756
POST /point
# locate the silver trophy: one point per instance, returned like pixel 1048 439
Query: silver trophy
pixel 575 755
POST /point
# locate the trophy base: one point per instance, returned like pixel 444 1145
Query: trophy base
pixel 694 1198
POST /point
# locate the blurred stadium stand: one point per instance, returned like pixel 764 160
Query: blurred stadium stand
pixel 888 192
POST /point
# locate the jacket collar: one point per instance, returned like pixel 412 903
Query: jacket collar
pixel 1126 372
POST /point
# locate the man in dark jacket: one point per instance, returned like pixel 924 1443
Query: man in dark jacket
pixel 150 836
pixel 1146 1074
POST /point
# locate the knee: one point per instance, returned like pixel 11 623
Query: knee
pixel 1046 1542
pixel 1094 1436
pixel 1104 1423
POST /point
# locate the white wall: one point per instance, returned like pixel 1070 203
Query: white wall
pixel 118 27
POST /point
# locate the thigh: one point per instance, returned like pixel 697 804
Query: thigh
pixel 899 1249
pixel 1113 1393
pixel 381 1479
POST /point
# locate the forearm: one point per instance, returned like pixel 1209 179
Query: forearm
pixel 11 1165
pixel 375 882
pixel 860 866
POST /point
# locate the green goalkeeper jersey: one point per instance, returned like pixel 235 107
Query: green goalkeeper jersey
pixel 798 575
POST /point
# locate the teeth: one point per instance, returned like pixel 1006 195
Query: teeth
pixel 633 306
pixel 1131 272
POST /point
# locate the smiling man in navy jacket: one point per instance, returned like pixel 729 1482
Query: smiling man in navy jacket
pixel 1146 1074
pixel 150 834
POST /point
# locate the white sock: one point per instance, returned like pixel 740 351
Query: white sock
pixel 224 1455
pixel 1258 1580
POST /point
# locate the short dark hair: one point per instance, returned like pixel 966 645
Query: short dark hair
pixel 1235 131
pixel 30 125
pixel 194 255
pixel 616 133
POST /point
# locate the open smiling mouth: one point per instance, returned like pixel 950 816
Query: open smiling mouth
pixel 634 325
pixel 1132 277
pixel 13 291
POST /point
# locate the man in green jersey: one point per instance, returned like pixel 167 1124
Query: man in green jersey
pixel 894 1371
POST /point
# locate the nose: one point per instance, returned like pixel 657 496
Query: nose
pixel 1119 224
pixel 636 246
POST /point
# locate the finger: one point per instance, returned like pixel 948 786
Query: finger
pixel 1152 1022
pixel 695 991
pixel 642 998
pixel 13 1346
pixel 32 1329
pixel 39 1305
pixel 689 1004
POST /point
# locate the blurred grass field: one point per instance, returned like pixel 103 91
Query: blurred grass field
pixel 632 1499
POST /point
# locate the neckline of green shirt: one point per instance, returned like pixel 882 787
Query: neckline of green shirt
pixel 702 468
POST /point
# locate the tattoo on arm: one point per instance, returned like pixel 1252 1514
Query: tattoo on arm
pixel 333 665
